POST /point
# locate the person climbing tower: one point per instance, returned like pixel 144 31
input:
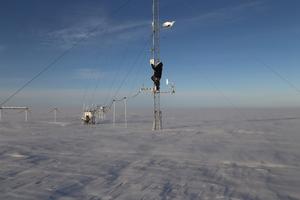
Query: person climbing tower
pixel 157 68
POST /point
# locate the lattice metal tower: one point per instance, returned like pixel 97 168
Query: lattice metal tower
pixel 157 122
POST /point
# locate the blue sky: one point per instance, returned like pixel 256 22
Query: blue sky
pixel 214 53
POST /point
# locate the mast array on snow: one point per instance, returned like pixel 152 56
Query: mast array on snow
pixel 22 109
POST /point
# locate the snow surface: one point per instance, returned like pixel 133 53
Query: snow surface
pixel 249 154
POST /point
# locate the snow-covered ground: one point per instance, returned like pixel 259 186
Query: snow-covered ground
pixel 251 154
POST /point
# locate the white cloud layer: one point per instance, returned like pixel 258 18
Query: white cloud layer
pixel 92 27
pixel 88 73
pixel 231 13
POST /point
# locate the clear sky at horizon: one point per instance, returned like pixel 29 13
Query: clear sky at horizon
pixel 216 53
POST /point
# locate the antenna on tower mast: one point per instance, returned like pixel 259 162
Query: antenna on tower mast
pixel 157 66
pixel 156 63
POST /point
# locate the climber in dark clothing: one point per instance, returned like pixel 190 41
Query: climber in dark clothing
pixel 157 68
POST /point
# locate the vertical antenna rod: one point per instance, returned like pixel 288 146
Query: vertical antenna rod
pixel 125 111
pixel 55 110
pixel 26 115
pixel 157 122
pixel 114 113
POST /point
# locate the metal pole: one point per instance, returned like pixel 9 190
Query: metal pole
pixel 156 31
pixel 55 115
pixel 0 114
pixel 26 115
pixel 125 111
pixel 103 114
pixel 114 113
pixel 157 121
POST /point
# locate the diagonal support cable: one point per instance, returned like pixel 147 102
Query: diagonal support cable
pixel 57 59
